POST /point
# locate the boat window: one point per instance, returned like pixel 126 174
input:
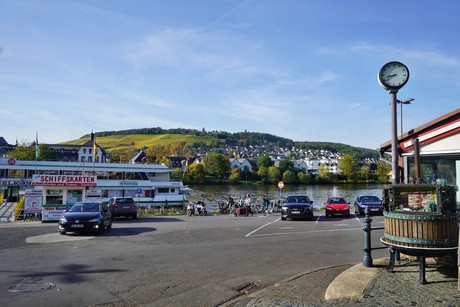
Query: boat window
pixel 130 193
pixel 133 176
pixel 163 190
pixel 43 172
pixel 16 173
pixel 114 193
pixel 116 175
pixel 71 173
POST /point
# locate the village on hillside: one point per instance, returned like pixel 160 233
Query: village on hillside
pixel 242 157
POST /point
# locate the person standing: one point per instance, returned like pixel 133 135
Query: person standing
pixel 266 203
pixel 247 203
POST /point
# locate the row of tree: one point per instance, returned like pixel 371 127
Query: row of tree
pixel 216 167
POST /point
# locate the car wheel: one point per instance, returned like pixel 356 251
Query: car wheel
pixel 62 232
pixel 135 216
pixel 283 218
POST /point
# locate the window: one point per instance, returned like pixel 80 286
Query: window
pixel 54 197
pixel 74 196
pixel 434 167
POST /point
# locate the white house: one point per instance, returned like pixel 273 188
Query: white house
pixel 301 165
pixel 242 164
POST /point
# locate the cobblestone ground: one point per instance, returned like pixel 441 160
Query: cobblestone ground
pixel 400 288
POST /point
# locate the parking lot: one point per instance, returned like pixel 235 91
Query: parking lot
pixel 172 260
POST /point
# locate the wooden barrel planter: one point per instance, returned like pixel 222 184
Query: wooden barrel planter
pixel 424 230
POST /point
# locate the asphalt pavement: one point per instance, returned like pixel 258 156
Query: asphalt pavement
pixel 356 285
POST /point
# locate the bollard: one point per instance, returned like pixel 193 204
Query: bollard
pixel 367 258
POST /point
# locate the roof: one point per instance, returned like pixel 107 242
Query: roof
pixel 431 131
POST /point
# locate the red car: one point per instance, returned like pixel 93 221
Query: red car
pixel 337 206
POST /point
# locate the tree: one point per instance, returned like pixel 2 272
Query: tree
pixel 262 172
pixel 350 166
pixel 289 177
pixel 235 176
pixel 382 171
pixel 365 173
pixel 216 164
pixel 176 174
pixel 195 173
pixel 23 151
pixel 264 161
pixel 165 161
pixel 303 177
pixel 26 151
pixel 273 174
pixel 323 171
pixel 286 165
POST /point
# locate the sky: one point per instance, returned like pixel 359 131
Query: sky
pixel 300 69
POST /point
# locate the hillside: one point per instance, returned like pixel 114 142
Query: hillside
pixel 137 139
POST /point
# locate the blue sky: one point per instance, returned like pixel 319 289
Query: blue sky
pixel 300 69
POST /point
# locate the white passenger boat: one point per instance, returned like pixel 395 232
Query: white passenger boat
pixel 64 183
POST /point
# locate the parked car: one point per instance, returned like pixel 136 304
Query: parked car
pixel 123 206
pixel 85 217
pixel 297 207
pixel 337 206
pixel 374 203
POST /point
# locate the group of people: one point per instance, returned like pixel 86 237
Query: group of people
pixel 249 205
pixel 196 209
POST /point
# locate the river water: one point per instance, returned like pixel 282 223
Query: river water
pixel 212 194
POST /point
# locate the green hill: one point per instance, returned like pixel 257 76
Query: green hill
pixel 137 139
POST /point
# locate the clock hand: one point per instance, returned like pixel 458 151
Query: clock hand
pixel 391 76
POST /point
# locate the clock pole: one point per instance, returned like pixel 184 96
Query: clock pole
pixel 394 138
pixel 392 77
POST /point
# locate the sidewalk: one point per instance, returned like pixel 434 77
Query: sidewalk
pixel 359 286
pixel 7 212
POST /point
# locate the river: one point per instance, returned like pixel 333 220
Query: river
pixel 212 194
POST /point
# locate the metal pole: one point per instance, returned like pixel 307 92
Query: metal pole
pixel 394 139
pixel 401 114
pixel 367 257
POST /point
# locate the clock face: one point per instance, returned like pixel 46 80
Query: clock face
pixel 393 75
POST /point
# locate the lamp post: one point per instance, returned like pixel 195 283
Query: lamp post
pixel 401 102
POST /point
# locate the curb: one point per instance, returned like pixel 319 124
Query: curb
pixel 352 283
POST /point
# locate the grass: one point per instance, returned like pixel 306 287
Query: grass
pixel 140 141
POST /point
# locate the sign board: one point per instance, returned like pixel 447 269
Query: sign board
pixel 15 182
pixel 64 180
pixel 33 200
pixel 93 194
pixel 53 212
pixel 138 192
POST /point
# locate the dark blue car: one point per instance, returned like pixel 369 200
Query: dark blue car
pixel 374 203
pixel 86 217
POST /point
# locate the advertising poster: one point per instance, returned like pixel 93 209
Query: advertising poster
pixel 33 201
